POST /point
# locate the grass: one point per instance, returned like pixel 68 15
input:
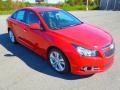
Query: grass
pixel 78 7
pixel 65 6
pixel 6 12
pixel 72 8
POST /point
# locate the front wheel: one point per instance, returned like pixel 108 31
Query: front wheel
pixel 58 61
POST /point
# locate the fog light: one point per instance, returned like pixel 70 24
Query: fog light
pixel 93 68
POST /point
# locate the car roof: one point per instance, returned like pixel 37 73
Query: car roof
pixel 42 8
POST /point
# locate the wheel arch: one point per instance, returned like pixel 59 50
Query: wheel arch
pixel 54 47
pixel 9 29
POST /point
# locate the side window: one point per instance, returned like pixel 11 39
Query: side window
pixel 14 15
pixel 32 18
pixel 20 15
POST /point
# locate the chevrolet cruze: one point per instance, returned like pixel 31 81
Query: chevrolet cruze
pixel 69 44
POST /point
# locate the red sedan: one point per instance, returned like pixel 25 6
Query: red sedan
pixel 68 43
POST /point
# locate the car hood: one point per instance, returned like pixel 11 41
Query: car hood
pixel 85 35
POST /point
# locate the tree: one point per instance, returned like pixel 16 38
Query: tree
pixel 71 2
pixel 9 1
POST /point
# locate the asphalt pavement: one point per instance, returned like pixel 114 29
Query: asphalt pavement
pixel 22 69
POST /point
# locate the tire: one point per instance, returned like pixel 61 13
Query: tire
pixel 12 37
pixel 58 61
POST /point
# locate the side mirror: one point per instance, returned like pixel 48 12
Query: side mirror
pixel 35 26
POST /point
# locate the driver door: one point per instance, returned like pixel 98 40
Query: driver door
pixel 35 38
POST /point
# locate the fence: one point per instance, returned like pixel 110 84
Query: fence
pixel 110 4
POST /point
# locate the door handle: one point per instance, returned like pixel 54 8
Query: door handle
pixel 25 29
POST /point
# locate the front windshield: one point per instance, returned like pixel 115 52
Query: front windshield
pixel 59 19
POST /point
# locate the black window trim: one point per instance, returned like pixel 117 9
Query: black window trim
pixel 26 10
pixel 32 12
pixel 18 20
pixel 37 17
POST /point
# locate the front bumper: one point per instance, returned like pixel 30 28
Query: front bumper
pixel 90 65
pixel 102 64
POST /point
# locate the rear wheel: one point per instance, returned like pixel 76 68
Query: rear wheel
pixel 12 36
pixel 58 61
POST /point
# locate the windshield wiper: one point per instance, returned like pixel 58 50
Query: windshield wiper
pixel 74 25
pixel 71 25
pixel 56 28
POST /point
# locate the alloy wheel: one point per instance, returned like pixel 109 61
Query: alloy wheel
pixel 57 61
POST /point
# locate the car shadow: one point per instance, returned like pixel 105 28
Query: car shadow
pixel 33 60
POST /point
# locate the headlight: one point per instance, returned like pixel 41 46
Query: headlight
pixel 86 52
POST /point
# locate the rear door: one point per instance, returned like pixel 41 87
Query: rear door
pixel 20 27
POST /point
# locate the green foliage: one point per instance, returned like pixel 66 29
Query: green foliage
pixel 8 6
pixel 78 7
pixel 71 2
pixel 6 12
pixel 70 8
